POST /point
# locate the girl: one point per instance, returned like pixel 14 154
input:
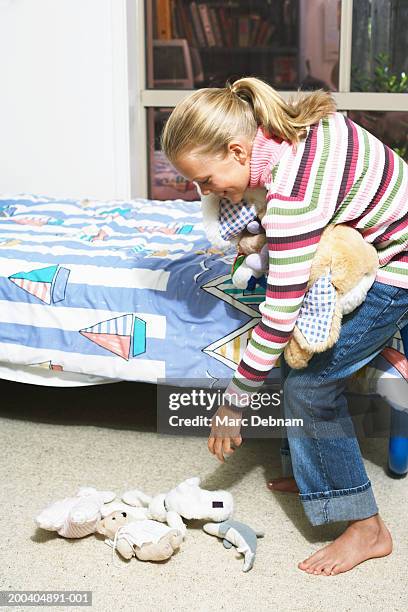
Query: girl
pixel 319 168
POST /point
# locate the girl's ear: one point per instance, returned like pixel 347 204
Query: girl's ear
pixel 240 150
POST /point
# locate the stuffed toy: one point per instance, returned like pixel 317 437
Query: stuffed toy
pixel 237 534
pixel 135 513
pixel 134 527
pixel 343 269
pixel 186 501
pixel 145 539
pixel 75 517
pixel 239 225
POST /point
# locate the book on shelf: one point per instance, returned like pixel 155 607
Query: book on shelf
pixel 226 26
pixel 197 24
pixel 164 19
pixel 186 26
pixel 177 27
pixel 216 28
pixel 243 31
pixel 264 34
pixel 207 25
pixel 255 22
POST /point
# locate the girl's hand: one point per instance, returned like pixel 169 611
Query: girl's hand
pixel 223 435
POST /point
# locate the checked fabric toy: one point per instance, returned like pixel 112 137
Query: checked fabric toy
pixel 343 269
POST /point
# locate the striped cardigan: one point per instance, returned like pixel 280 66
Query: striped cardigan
pixel 340 173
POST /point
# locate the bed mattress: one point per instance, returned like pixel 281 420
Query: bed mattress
pixel 119 290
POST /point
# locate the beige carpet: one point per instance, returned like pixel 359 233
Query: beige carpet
pixel 54 440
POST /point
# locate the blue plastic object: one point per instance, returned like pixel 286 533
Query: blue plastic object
pixel 398 447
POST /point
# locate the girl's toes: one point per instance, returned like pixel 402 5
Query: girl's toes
pixel 312 564
pixel 311 561
pixel 306 566
pixel 336 569
pixel 325 568
pixel 318 567
pixel 307 563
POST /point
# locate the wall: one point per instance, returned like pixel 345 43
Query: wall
pixel 64 98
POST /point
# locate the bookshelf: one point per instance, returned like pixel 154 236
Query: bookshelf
pixel 228 39
pixel 225 40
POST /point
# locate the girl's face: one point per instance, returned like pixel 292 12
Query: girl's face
pixel 226 176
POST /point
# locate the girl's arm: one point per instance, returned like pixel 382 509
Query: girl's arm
pixel 288 275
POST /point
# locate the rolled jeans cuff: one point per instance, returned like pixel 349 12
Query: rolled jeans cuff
pixel 339 505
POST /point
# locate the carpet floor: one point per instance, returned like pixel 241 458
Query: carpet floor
pixel 53 441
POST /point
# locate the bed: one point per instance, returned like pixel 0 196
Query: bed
pixel 93 292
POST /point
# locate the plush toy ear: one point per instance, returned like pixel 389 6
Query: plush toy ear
pixel 85 491
pixel 193 482
pixel 186 484
pixel 107 496
pixel 100 527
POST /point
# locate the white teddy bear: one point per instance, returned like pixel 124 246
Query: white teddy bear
pixel 187 501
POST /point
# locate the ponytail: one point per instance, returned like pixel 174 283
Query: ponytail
pixel 287 120
pixel 210 118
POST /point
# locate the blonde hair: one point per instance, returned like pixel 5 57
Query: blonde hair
pixel 210 118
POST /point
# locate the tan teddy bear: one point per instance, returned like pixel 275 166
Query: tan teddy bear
pixel 145 539
pixel 343 269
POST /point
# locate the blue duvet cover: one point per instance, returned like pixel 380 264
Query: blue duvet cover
pixel 127 290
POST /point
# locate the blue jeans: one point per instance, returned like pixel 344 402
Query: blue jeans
pixel 324 455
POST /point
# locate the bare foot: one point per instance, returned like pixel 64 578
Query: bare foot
pixel 364 539
pixel 285 484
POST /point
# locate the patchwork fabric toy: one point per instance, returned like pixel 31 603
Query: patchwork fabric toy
pixel 239 225
pixel 135 526
pixel 343 269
